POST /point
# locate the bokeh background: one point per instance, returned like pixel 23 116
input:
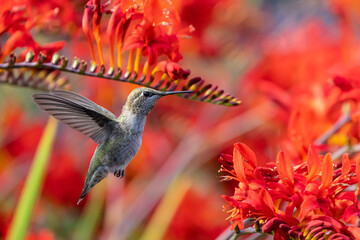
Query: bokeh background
pixel 280 57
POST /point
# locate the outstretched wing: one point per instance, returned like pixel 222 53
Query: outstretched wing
pixel 79 113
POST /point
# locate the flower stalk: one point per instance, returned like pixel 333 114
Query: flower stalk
pixel 60 63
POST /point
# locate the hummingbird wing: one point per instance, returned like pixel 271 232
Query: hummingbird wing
pixel 79 113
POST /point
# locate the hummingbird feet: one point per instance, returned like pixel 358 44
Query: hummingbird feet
pixel 119 173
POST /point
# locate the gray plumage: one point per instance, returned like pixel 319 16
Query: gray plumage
pixel 119 139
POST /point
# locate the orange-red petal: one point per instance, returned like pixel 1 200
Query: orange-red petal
pixel 266 198
pixel 239 165
pixel 355 231
pixel 248 154
pixel 345 168
pixel 86 19
pixel 87 16
pixel 285 168
pixel 308 205
pixel 261 202
pixel 327 171
pixel 313 163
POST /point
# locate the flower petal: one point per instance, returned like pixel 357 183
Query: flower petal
pixel 355 231
pixel 326 171
pixel 314 164
pixel 231 200
pixel 345 168
pixel 285 168
pixel 247 153
pixel 261 202
pixel 350 211
pixel 239 165
pixel 266 198
pixel 309 204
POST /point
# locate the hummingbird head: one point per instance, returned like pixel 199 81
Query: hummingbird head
pixel 142 100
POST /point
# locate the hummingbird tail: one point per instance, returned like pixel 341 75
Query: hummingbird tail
pixel 80 199
pixel 92 179
pixel 83 194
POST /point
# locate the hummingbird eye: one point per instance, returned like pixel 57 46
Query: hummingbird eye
pixel 147 94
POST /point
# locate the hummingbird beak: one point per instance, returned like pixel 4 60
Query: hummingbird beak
pixel 176 92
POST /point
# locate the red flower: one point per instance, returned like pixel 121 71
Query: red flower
pixel 123 14
pixel 24 39
pixel 148 28
pixel 17 21
pixel 156 33
pixel 292 201
pixel 309 97
pixel 11 18
pixel 148 38
pixel 92 17
pixel 173 70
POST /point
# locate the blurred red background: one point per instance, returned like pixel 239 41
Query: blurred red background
pixel 279 57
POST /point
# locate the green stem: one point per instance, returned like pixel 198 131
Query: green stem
pixel 33 184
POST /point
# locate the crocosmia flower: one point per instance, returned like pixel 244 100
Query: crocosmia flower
pixel 316 199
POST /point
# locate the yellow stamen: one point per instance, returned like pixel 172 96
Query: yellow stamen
pixel 146 68
pixel 137 60
pixel 119 55
pixel 154 71
pixel 164 76
pixel 231 210
pixel 234 213
pixel 98 43
pixel 130 60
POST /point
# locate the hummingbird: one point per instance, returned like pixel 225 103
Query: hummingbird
pixel 119 139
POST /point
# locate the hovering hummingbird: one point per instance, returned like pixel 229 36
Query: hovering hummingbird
pixel 118 139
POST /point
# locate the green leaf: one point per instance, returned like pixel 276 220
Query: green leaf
pixel 33 184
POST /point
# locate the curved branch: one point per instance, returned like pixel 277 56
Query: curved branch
pixel 204 93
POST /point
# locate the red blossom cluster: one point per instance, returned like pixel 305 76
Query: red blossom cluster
pixel 308 92
pixel 17 19
pixel 144 28
pixel 315 199
pixel 314 90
